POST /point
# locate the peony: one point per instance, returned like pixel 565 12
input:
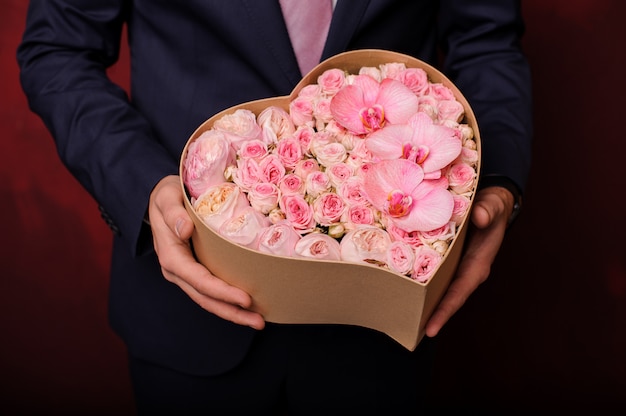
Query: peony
pixel 276 124
pixel 220 202
pixel 366 244
pixel 207 159
pixel 318 246
pixel 279 239
pixel 239 127
pixel 244 229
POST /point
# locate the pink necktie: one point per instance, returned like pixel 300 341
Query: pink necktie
pixel 307 23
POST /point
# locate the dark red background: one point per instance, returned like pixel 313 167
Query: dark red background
pixel 545 332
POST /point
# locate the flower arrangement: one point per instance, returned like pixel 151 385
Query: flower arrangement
pixel 376 166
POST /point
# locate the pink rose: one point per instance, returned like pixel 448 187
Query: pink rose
pixel 252 149
pixel 428 105
pixel 396 233
pixel 310 91
pixel 238 127
pixel 305 167
pixel 368 70
pixel 427 261
pixel 272 169
pixel 392 70
pixel 352 190
pixel 328 208
pixel 298 213
pixel 359 155
pixel 331 81
pixel 220 202
pixel 331 154
pixel 468 155
pixel 359 214
pixel 400 257
pixel 319 140
pixel 461 206
pixel 304 136
pixel 316 183
pixel 245 228
pixel 339 173
pixel 264 197
pixel 247 173
pixel 450 110
pixel 461 177
pixel 443 233
pixel 365 244
pixel 279 239
pixel 416 79
pixel 318 246
pixel 321 112
pixel 291 184
pixel 301 110
pixel 289 151
pixel 207 159
pixel 441 92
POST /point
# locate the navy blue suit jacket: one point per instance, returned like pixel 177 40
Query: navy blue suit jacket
pixel 193 58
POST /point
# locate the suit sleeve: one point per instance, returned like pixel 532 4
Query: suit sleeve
pixel 484 57
pixel 66 49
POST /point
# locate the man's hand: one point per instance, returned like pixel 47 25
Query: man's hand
pixel 171 229
pixel 489 218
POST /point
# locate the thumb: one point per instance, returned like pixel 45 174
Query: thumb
pixel 492 203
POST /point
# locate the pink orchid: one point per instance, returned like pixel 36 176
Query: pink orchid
pixel 367 105
pixel 397 188
pixel 432 146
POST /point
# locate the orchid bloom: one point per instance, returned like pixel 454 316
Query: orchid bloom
pixel 367 105
pixel 397 188
pixel 430 145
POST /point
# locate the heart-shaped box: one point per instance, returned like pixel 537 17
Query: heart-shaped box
pixel 300 291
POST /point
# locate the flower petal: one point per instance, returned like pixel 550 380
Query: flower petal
pixel 387 143
pixel 398 101
pixel 345 107
pixel 432 208
pixel 390 175
pixel 442 143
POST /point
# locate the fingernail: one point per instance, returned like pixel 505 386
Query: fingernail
pixel 179 224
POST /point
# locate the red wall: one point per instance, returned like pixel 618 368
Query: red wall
pixel 546 331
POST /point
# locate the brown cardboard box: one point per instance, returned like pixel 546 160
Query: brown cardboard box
pixel 300 291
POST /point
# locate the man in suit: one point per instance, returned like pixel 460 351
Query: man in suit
pixel 193 344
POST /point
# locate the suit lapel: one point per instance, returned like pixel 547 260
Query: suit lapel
pixel 346 18
pixel 267 25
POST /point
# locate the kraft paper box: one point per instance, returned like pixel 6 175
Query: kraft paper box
pixel 301 291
